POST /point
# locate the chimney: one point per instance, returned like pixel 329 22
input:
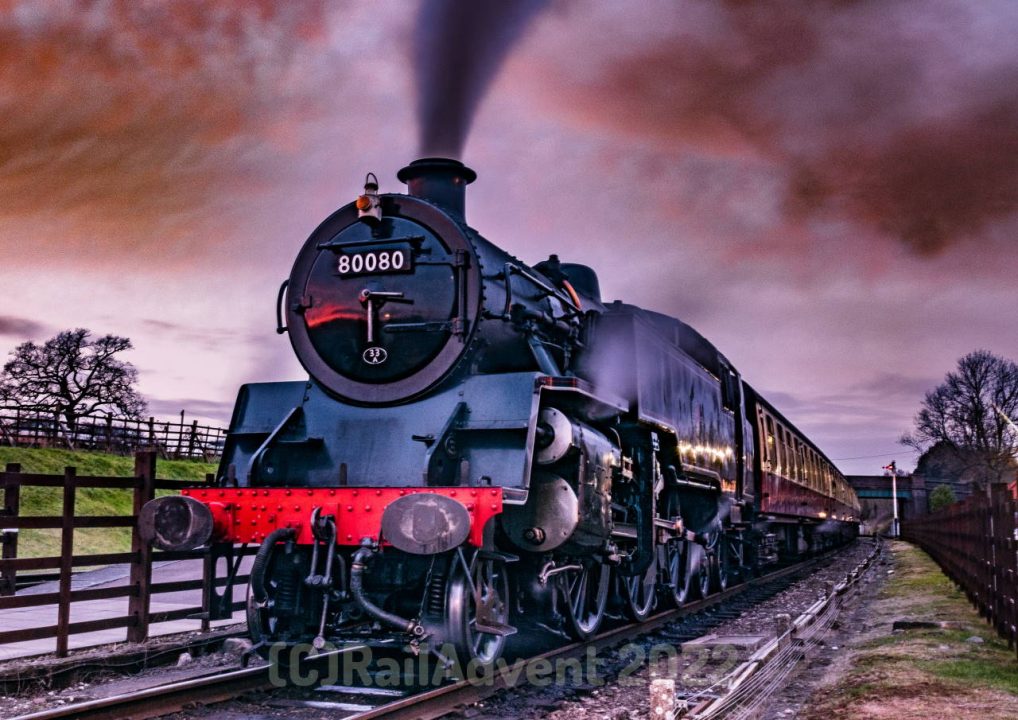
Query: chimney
pixel 439 180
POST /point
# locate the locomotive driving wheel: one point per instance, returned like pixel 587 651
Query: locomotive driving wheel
pixel 678 571
pixel 640 594
pixel 701 563
pixel 583 595
pixel 720 564
pixel 477 610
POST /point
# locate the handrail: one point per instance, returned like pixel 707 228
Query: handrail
pixel 512 268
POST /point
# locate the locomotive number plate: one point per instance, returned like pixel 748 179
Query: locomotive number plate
pixel 375 262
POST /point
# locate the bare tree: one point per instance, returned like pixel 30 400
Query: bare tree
pixel 960 412
pixel 73 376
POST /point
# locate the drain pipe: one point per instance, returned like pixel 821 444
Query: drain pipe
pixel 261 562
pixel 360 560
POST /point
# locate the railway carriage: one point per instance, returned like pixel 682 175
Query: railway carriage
pixel 484 447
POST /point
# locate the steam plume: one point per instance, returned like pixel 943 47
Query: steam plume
pixel 458 48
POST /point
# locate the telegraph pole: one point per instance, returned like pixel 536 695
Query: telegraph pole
pixel 893 467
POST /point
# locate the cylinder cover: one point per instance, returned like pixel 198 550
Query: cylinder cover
pixel 549 517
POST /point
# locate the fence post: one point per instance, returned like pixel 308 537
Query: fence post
pixel 191 438
pixel 109 431
pixel 141 567
pixel 12 506
pixel 180 436
pixel 66 561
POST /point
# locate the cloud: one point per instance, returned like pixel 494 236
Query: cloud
pixel 20 327
pixel 169 408
pixel 887 385
pixel 141 115
pixel 892 119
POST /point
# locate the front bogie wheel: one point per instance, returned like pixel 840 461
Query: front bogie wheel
pixel 582 597
pixel 640 594
pixel 702 569
pixel 721 570
pixel 678 572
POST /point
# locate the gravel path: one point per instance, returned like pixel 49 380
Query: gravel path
pixel 625 697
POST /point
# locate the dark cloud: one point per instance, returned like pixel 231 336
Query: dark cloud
pixel 896 118
pixel 163 326
pixel 931 183
pixel 20 327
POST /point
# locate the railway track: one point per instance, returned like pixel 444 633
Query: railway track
pixel 428 704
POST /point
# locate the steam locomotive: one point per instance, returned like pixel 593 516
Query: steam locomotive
pixel 485 446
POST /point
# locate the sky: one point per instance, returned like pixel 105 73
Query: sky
pixel 826 190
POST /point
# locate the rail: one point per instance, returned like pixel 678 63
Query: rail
pixel 975 542
pixel 140 587
pixel 426 705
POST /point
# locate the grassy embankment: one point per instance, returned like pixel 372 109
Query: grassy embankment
pixel 942 671
pixel 88 501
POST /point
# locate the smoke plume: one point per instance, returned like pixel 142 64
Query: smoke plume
pixel 458 48
pixel 891 118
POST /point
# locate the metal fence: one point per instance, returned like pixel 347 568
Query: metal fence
pixel 140 587
pixel 171 439
pixel 976 545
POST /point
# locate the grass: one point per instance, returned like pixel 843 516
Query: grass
pixel 907 674
pixel 36 501
pixel 53 461
pixel 979 670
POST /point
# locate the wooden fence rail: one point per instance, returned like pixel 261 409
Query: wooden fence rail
pixel 172 439
pixel 975 542
pixel 140 588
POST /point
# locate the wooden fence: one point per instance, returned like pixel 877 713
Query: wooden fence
pixel 976 545
pixel 172 439
pixel 139 589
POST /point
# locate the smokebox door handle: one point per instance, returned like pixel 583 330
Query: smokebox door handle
pixel 280 327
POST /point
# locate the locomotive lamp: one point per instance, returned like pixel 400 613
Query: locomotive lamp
pixel 369 207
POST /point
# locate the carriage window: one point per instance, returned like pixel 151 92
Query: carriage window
pixel 788 459
pixel 781 445
pixel 770 444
